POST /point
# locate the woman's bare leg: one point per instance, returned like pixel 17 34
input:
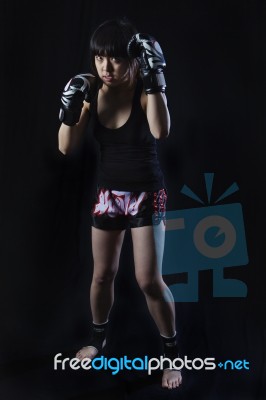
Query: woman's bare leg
pixel 106 249
pixel 148 245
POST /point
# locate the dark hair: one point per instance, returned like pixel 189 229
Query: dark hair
pixel 111 39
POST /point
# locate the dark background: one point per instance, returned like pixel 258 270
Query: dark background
pixel 215 53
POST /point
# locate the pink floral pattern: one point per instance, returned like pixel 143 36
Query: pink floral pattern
pixel 114 203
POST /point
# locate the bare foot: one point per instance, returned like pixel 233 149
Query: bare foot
pixel 171 378
pixel 87 352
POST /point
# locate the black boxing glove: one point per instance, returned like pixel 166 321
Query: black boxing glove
pixel 152 63
pixel 75 92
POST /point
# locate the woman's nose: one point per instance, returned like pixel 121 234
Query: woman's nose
pixel 107 66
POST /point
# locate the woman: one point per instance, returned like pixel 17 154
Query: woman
pixel 125 98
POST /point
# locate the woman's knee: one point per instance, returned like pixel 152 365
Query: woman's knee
pixel 151 287
pixel 104 277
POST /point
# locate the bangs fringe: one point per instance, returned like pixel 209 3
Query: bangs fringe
pixel 109 42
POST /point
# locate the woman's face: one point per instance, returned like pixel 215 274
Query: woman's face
pixel 112 70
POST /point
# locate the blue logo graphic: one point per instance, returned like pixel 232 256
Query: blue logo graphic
pixel 233 365
pixel 211 237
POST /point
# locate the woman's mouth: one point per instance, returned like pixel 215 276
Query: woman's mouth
pixel 107 78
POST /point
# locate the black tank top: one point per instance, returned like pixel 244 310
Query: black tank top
pixel 128 155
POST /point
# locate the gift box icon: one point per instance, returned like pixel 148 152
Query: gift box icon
pixel 211 237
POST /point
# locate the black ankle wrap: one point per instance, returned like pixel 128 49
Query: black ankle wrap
pixel 170 347
pixel 98 336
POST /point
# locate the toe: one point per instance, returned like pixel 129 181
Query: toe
pixel 171 379
pixel 164 383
